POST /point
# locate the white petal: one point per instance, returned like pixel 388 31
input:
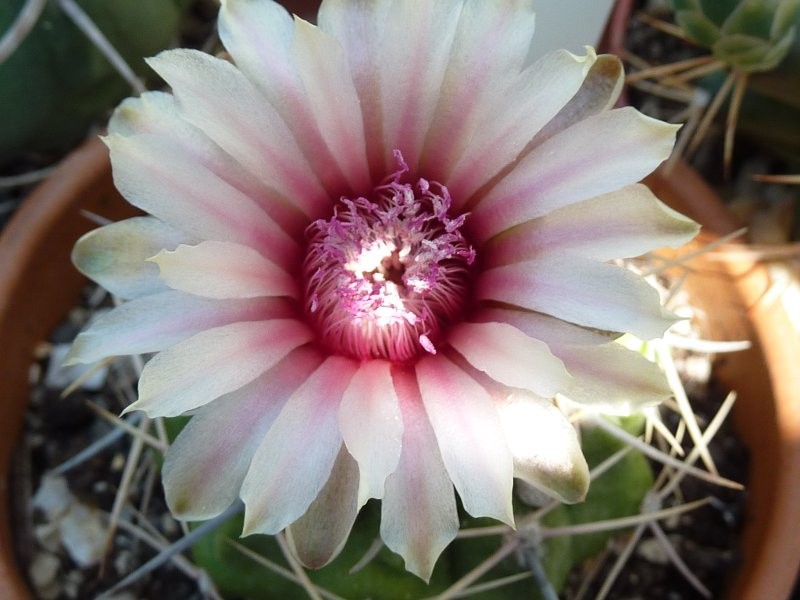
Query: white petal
pixel 598 155
pixel 157 321
pixel 154 174
pixel 258 35
pixel 546 449
pixel 534 97
pixel 543 327
pixel 320 534
pixel 621 224
pixel 371 426
pixel 115 255
pixel 218 99
pixel 412 58
pixel 322 66
pixel 359 27
pixel 206 465
pixel 260 38
pixel 223 270
pixel 470 437
pixel 214 362
pixel 510 357
pixel 581 291
pixel 605 376
pixel 418 511
pixel 487 54
pixel 294 461
pixel 612 379
pixel 598 92
pixel 156 113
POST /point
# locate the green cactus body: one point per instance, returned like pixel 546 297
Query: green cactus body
pixel 56 84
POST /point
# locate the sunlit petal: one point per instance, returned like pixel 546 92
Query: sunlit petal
pixel 546 449
pixel 283 480
pixel 214 362
pixel 418 514
pixel 468 430
pixel 205 466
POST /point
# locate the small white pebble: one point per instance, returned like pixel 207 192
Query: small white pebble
pixel 653 551
pixel 59 377
pixel 47 535
pixel 123 562
pixel 72 585
pixel 117 463
pixel 43 569
pixel 83 533
pixel 53 497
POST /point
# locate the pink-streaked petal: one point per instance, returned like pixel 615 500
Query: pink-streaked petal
pixel 320 534
pixel 537 94
pixel 477 76
pixel 371 426
pixel 157 321
pixel 359 27
pixel 510 357
pixel 258 35
pixel 214 362
pixel 598 92
pixel 620 224
pixel 598 155
pixel 206 465
pixel 612 379
pixel 412 58
pixel 470 437
pixel 294 461
pixel 115 256
pixel 223 270
pixel 156 113
pixel 154 174
pixel 581 291
pixel 546 449
pixel 332 98
pixel 605 376
pixel 542 327
pixel 418 511
pixel 218 99
pixel 260 38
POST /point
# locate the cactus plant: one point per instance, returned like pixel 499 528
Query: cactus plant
pixel 748 35
pixel 57 83
pixel 758 43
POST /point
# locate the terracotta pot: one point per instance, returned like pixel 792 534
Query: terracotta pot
pixel 742 296
pixel 739 294
pixel 38 286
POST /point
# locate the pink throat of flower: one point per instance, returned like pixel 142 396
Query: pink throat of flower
pixel 384 277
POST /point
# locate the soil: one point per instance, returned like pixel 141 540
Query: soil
pixel 56 429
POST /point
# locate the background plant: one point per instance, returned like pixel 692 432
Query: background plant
pixel 55 81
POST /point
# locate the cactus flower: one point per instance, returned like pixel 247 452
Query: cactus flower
pixel 376 250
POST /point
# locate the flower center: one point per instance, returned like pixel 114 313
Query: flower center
pixel 384 277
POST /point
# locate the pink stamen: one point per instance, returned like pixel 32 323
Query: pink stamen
pixel 383 277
